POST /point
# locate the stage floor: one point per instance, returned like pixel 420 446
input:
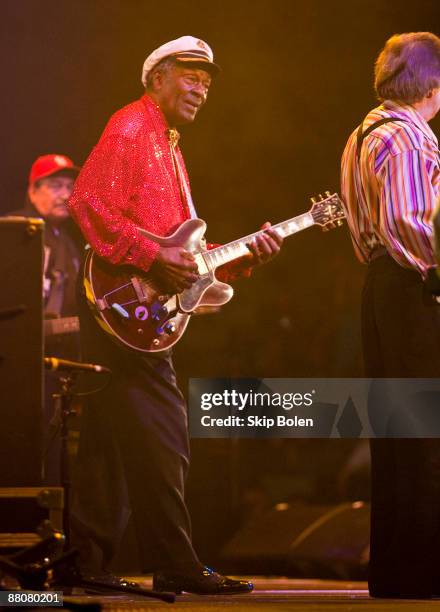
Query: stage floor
pixel 270 594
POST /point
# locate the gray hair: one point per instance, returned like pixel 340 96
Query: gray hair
pixel 164 65
pixel 408 67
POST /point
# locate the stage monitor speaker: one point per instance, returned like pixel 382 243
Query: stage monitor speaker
pixel 21 351
pixel 304 541
pixel 335 546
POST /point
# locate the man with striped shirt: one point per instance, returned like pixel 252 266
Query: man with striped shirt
pixel 436 221
pixel 390 183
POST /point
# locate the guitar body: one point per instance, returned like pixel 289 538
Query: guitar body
pixel 132 306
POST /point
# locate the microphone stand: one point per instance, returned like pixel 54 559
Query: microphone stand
pixel 66 396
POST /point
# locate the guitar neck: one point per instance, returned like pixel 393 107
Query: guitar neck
pixel 237 248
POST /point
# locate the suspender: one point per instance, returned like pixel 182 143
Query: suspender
pixel 362 135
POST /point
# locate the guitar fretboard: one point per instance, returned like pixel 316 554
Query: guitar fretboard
pixel 237 248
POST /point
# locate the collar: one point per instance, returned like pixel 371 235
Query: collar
pixel 155 110
pixel 408 112
pixel 171 134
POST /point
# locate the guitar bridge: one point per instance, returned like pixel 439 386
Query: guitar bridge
pixel 138 289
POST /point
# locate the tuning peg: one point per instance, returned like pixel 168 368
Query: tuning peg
pixel 321 197
pixel 325 228
pixel 328 194
pixel 339 222
pixel 313 200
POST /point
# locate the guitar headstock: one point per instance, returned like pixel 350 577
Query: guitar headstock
pixel 327 211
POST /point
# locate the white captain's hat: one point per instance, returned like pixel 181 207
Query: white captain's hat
pixel 186 49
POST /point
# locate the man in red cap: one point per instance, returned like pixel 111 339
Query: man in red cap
pixel 51 180
pixel 136 178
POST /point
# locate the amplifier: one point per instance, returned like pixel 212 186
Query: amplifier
pixel 21 351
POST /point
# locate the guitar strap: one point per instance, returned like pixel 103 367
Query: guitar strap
pixel 360 136
pixel 184 189
pixel 185 194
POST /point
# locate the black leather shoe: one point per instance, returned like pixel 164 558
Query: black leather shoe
pixel 67 576
pixel 204 582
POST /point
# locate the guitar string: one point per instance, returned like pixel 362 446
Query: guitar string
pixel 235 245
pixel 330 209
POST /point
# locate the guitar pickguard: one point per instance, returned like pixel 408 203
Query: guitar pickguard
pixel 190 298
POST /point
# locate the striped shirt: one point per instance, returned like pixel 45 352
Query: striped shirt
pixel 389 195
pixel 436 222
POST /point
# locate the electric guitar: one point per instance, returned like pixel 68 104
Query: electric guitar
pixel 131 306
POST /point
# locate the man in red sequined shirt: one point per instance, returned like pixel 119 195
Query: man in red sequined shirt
pixel 136 429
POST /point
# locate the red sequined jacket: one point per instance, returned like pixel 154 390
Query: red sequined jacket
pixel 129 181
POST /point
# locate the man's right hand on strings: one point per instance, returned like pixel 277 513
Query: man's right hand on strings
pixel 176 268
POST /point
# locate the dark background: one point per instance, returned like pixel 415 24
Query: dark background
pixel 297 78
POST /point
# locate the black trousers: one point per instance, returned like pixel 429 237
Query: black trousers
pixel 401 338
pixel 133 457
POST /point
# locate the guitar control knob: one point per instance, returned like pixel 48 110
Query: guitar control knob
pixel 170 328
pixel 156 342
pixel 160 313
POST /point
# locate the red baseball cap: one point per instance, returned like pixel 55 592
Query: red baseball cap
pixel 46 165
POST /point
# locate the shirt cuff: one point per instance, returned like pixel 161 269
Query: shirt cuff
pixel 142 253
